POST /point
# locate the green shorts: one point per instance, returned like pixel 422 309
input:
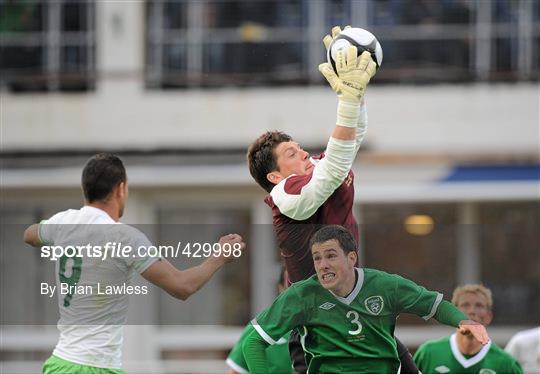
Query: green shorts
pixel 55 365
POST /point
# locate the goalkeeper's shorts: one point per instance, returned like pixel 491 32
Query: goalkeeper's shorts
pixel 55 365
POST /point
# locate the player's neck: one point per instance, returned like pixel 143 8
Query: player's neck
pixel 348 289
pixel 468 345
pixel 111 209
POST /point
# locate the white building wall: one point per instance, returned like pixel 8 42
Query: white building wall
pixel 120 41
pixel 121 114
pixel 481 118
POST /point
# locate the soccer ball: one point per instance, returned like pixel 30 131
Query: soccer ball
pixel 361 39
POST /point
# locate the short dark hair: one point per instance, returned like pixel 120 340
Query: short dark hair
pixel 341 234
pixel 101 174
pixel 262 159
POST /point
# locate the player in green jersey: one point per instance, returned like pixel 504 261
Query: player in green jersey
pixel 461 353
pixel 277 355
pixel 346 315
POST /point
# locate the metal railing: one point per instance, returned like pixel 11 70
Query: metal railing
pixel 482 43
pixel 216 43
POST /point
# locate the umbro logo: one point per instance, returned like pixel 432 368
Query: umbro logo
pixel 442 369
pixel 327 306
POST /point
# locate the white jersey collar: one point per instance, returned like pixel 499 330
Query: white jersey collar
pixel 97 211
pixel 467 363
pixel 356 290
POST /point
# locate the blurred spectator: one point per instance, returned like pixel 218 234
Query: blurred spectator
pixel 525 347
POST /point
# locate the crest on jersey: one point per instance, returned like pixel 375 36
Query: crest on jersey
pixel 374 304
pixel 487 371
pixel 442 369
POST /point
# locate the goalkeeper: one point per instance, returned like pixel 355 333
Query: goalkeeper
pixel 347 315
pixel 307 192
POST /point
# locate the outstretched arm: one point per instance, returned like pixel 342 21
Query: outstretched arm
pixel 450 315
pixel 415 299
pixel 331 171
pixel 361 127
pixel 254 352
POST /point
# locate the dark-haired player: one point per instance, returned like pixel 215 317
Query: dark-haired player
pixel 347 315
pixel 308 192
pixel 91 321
pixel 277 355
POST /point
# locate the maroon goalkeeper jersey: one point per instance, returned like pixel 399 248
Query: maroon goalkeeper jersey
pixel 293 236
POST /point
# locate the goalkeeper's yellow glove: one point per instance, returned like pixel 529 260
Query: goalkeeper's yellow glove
pixel 354 75
pixel 336 30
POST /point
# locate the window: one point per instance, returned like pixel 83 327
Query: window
pixel 47 45
pixel 510 259
pixel 428 259
pixel 505 238
pixel 215 43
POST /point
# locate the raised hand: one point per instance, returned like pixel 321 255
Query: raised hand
pixel 475 329
pixel 353 74
pixel 231 246
pixel 336 30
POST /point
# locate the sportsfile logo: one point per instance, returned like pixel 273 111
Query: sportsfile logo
pixel 327 306
pixel 119 250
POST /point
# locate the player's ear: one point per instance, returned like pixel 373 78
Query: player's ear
pixel 274 177
pixel 353 256
pixel 121 189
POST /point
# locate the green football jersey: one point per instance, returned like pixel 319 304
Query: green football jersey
pixel 277 355
pixel 443 356
pixel 351 334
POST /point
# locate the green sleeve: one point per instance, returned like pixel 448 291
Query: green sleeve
pixel 285 314
pixel 515 367
pixel 419 357
pixel 254 348
pixel 415 299
pixel 236 359
pixel 47 229
pixel 41 232
pixel 450 315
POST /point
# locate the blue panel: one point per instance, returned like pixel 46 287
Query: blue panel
pixel 493 173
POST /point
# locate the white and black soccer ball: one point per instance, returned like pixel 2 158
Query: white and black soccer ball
pixel 362 39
